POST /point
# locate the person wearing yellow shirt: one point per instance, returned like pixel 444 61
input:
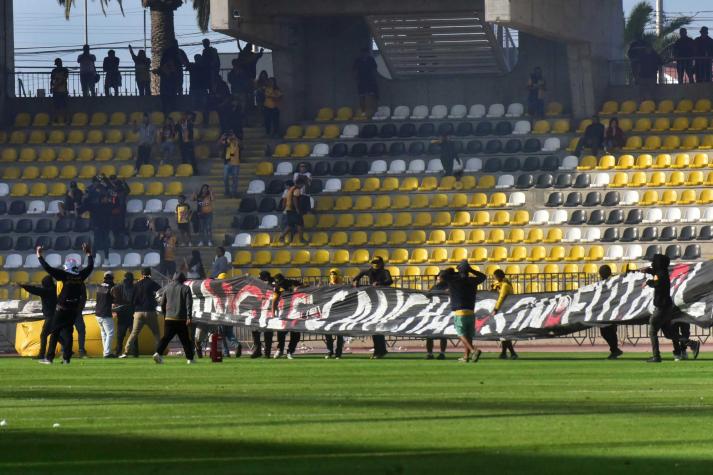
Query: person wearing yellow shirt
pixel 273 98
pixel 335 279
pixel 504 288
pixel 183 220
pixel 230 151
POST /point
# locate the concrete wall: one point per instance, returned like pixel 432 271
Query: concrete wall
pixel 7 56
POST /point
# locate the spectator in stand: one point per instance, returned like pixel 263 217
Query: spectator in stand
pixel 503 287
pixel 123 308
pixel 220 264
pixel 183 220
pixel 230 151
pixel 103 312
pixel 304 173
pixel 142 71
pixel 365 70
pixel 293 221
pixel 613 136
pixel 260 86
pixel 48 294
pixel 636 50
pixel 88 76
pixel 167 138
pixel 593 137
pixel 273 98
pixel 194 268
pixel 684 49
pixel 212 63
pixel 186 136
pixel 112 78
pixel 98 203
pixel 118 195
pixel 73 199
pixel 536 88
pixel 170 71
pixel 378 277
pixel 704 56
pixel 650 64
pixel 241 85
pixel 58 87
pixel 200 80
pixel 167 241
pixel 147 136
pixel 177 308
pixel 222 102
pixel 248 59
pixel 335 279
pixel 144 303
pixel 449 156
pixel 204 201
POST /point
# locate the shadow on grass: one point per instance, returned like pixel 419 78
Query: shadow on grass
pixel 35 452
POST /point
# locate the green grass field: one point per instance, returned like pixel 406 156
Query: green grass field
pixel 545 413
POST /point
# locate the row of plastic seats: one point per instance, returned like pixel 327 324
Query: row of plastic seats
pixel 666 106
pixel 644 161
pixel 459 111
pixel 660 124
pixel 139 242
pixel 36 277
pixel 603 180
pixel 419 201
pixel 628 198
pixel 21 207
pixel 92 137
pixel 43 225
pixel 99 119
pixel 598 217
pixel 70 172
pixel 154 188
pixel 389 184
pixel 652 233
pixel 657 179
pixel 130 260
pixel 65 154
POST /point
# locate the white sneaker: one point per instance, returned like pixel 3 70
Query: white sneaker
pixel 157 358
pixel 210 243
pixel 684 355
pixel 277 355
pixel 191 361
pixel 200 243
pixel 290 357
pixel 44 361
pixel 123 355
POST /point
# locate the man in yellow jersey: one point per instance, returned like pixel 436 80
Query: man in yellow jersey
pixel 335 279
pixel 183 220
pixel 230 148
pixel 503 286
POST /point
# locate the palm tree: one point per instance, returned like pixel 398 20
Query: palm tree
pixel 162 28
pixel 639 27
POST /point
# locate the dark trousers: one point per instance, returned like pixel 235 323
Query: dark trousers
pixel 536 107
pixel 144 88
pixel 272 120
pixel 379 342
pixel 188 155
pixel 681 333
pixel 443 343
pixel 101 241
pixel 294 340
pixel 61 331
pixel 589 142
pixel 610 336
pixel 124 324
pixel 81 329
pixel 268 342
pixel 143 157
pixel 329 341
pixel 44 333
pixel 660 320
pixel 172 328
pixel 87 82
pixel 505 346
pixel 447 162
pixel 684 68
pixel 703 70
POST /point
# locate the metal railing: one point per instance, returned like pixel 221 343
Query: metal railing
pixel 621 72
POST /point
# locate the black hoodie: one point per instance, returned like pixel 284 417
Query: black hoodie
pixel 661 282
pixel 48 294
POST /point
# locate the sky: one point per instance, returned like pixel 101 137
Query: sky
pixel 40 24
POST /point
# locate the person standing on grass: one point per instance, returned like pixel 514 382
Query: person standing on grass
pixel 204 201
pixel 183 220
pixel 267 335
pixel 59 88
pixel 104 314
pixel 142 71
pixel 463 289
pixel 123 307
pixel 144 303
pixel 282 285
pixel 609 332
pixel 504 288
pixel 147 136
pixel 273 99
pixel 177 309
pixel 335 279
pixel 87 72
pixel 230 151
pixel 48 294
pixel 440 287
pixel 378 277
pixel 70 301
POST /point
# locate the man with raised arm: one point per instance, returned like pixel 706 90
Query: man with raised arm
pixel 70 300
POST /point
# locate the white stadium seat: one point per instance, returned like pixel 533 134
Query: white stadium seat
pixel 517 199
pixel 53 206
pixel 54 259
pixel 614 253
pixel 570 162
pixel 382 113
pixel 284 168
pixel 4 189
pixel 601 180
pixel 378 167
pixel 134 206
pixel 691 215
pixel 333 185
pixel 592 235
pixel 115 261
pixel 522 127
pixel 673 215
pixel 397 167
pixel 350 131
pixel 131 259
pixel 438 112
pixel 419 112
pixel 13 261
pixel 170 206
pixel 256 187
pixel 559 216
pixel 320 150
pixel 515 110
pixel 242 240
pixel 36 207
pixel 541 216
pixel 505 181
pixel 458 111
pixel 31 262
pixel 401 113
pixel 434 166
pixel 633 252
pixel 473 165
pixel 477 111
pixel 572 235
pixel 152 259
pixel 153 205
pixel 416 166
pixel 631 197
pixel 653 215
pixel 707 215
pixel 268 221
pixel 496 110
pixel 552 144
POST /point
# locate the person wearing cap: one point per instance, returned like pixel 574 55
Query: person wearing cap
pixel 463 289
pixel 378 277
pixel 704 53
pixel 48 294
pixel 144 302
pixel 177 308
pixel 122 297
pixel 70 301
pixel 609 332
pixel 503 287
pixel 267 336
pixel 103 312
pixel 335 279
pixel 282 285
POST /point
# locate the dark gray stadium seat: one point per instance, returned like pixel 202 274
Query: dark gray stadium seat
pixel 692 252
pixel 6 226
pixel 247 205
pixel 532 146
pixel 23 226
pixel 578 217
pixel 512 146
pixel 630 234
pixel 434 149
pixel 377 149
pixel 275 187
pixel 612 198
pixel 503 128
pixel 574 198
pixel 360 167
pixel 24 243
pixel 464 129
pixel 650 233
pixel 550 163
pixel 3 207
pixel 544 180
pixel 407 130
pixel 121 242
pixel 81 225
pixel 492 165
pixel 494 146
pixel 616 216
pixel 416 149
pixel 446 128
pixel 81 239
pixel 368 131
pixel 582 181
pixel 315 187
pixel 512 164
pixel 705 233
pixel 249 222
pixel 532 164
pixel 596 217
pixel 397 149
pixel 43 225
pixel 322 169
pixel 525 181
pixel 554 199
pixel 673 251
pixel 43 241
pixel 17 208
pixel 139 225
pixel 651 250
pixel 358 150
pixel 610 234
pixel 635 216
pixel 267 205
pixel 6 243
pixel 594 198
pixel 474 147
pixel 387 131
pixel 563 181
pixel 62 243
pixel 484 128
pixel 668 233
pixel 339 150
pixel 688 233
pixel 341 167
pixel 160 224
pixel 140 241
pixel 426 130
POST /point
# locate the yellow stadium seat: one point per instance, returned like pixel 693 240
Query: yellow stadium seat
pixel 164 171
pixel 282 150
pixel 416 238
pixel 136 188
pixel 75 137
pixel 242 258
pixel 331 132
pixel 107 170
pixel 694 178
pixel 501 218
pixel 705 197
pixel 402 220
pixel 652 142
pixel 534 236
pixel 47 154
pixel 458 201
pixel 554 235
pixel 486 182
pixel 80 119
pixel 326 221
pixel 607 162
pixel 476 236
pixel 651 197
pixel 359 238
pixel 293 273
pixel 320 239
pixel 462 218
pixel 133 137
pixel 496 236
pixel 517 254
pixel 576 253
pixel 69 172
pixel 665 107
pixel 366 220
pixel 657 179
pixel 28 155
pixel 409 184
pixel 669 197
pixel 155 188
pixel 345 220
pixel 633 143
pixel 8 155
pixel 684 106
pixel 626 124
pixel 19 189
pixel 646 107
pixel 312 132
pixel 184 170
pixel 698 124
pixel 620 180
pixel 626 162
pixel 428 183
pixel 359 257
pixel 17 137
pixel 680 124
pixel 537 254
pixel 458 254
pixel 588 162
pixel 38 189
pixel 293 132
pixel 264 169
pixel 301 150
pixel 126 171
pixel 706 143
pixel 595 253
pixel 117 119
pixel 56 137
pixel 113 136
pixel 324 203
pixel 390 184
pixel 554 109
pixel 478 200
pixel 644 161
pixel 438 200
pixel 124 153
pixel 211 135
pixel 480 218
pixel 98 119
pixel 441 219
pixel 298 258
pixel 515 236
pixel 628 107
pixel 541 127
pixel 371 185
pixel 87 171
pixel 174 188
pixel 351 185
pixel 663 160
pixel 136 117
pixel 583 125
pixel 11 173
pixel 261 258
pixel 498 200
pixel 557 253
pixel 344 113
pixel 321 257
pixel 37 137
pixel 479 254
pixel 377 238
pixel 447 183
pixel 398 256
pixel 498 254
pixel 157 118
pixel 419 256
pixel 643 125
pixel 561 126
pixel 324 114
pixel 104 154
pixel 690 142
pixel 702 106
pixel 260 240
pixel 23 119
pixel 49 172
pixel 681 160
pixel 609 108
pixel 671 142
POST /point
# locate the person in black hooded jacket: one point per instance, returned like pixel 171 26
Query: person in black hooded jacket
pixel 48 294
pixel 257 347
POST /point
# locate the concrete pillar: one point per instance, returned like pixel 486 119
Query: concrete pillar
pixel 579 62
pixel 7 57
pixel 290 66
